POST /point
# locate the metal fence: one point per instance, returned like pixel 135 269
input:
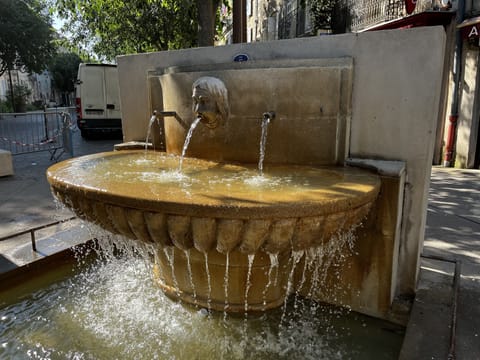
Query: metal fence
pixel 51 131
pixel 366 13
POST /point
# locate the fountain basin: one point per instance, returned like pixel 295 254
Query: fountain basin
pixel 143 196
pixel 212 210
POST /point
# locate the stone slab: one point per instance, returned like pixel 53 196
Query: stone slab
pixel 6 164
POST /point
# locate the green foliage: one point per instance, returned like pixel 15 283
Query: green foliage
pixel 20 95
pixel 112 27
pixel 333 15
pixel 221 19
pixel 322 13
pixel 26 35
pixel 5 107
pixel 63 70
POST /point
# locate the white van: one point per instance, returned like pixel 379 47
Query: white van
pixel 98 99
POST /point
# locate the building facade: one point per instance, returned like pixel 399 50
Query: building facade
pixel 458 130
pixel 39 85
pixel 278 19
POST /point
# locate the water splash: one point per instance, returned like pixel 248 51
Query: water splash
pixel 187 141
pixel 97 313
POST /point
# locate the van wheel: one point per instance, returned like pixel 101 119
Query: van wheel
pixel 85 133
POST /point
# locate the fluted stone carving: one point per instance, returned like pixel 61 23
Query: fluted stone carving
pixel 225 235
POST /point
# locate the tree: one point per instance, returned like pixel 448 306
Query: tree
pixel 111 27
pixel 207 11
pixel 63 69
pixel 26 37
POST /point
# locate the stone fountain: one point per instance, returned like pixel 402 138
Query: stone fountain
pixel 217 221
pixel 220 225
pixel 223 242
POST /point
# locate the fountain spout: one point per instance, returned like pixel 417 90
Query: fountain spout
pixel 163 114
pixel 167 113
pixel 269 116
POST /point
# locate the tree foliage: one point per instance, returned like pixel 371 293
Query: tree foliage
pixel 63 69
pixel 112 27
pixel 26 36
pixel 321 12
pixel 331 15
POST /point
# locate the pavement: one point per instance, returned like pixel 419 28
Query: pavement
pixel 445 317
pixel 26 203
pixel 453 235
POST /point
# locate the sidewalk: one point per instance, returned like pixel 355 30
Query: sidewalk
pixel 452 232
pixel 26 202
pixel 25 197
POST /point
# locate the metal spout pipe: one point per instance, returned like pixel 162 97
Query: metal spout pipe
pixel 269 115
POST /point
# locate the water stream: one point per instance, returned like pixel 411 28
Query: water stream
pixel 187 141
pixel 263 144
pixel 149 129
pixel 190 275
pixel 209 283
pixel 226 282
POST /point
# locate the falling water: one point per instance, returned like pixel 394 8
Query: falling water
pixel 171 261
pixel 273 265
pixel 317 255
pixel 110 308
pixel 295 259
pixel 190 275
pixel 209 283
pixel 263 143
pixel 225 284
pixel 149 130
pixel 187 141
pixel 309 261
pixel 251 258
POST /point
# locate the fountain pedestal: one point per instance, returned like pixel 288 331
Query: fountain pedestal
pixel 222 282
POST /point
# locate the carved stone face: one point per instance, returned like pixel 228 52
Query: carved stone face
pixel 210 101
pixel 205 107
